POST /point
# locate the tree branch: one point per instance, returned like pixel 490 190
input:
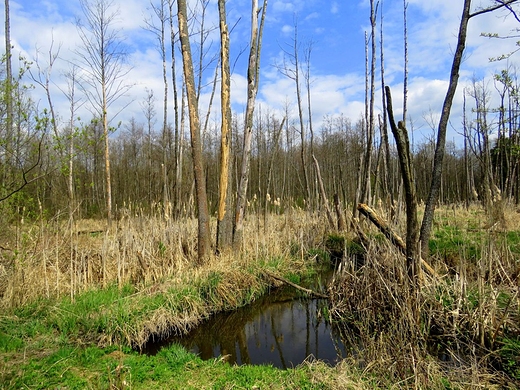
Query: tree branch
pixel 24 174
pixel 501 4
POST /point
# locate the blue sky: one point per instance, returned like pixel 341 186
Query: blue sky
pixel 336 29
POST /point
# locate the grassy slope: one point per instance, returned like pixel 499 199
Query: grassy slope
pixel 85 342
pixel 56 344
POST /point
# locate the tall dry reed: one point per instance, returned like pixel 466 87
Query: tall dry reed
pixel 55 258
pixel 463 315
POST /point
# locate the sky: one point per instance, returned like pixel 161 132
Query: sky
pixel 335 29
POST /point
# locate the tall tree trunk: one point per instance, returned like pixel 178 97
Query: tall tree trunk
pixel 438 159
pixel 303 153
pixel 107 157
pixel 224 217
pixel 406 164
pixel 367 163
pixel 179 160
pixel 8 86
pixel 177 133
pixel 162 15
pixel 468 189
pixel 252 89
pixel 103 70
pixel 204 241
pixel 74 105
pixel 405 79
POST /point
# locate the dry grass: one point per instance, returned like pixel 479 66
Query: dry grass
pixel 157 257
pixel 462 315
pixel 451 328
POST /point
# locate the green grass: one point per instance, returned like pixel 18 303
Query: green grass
pixel 452 241
pixel 86 342
pixel 172 368
pixel 513 242
pixel 510 355
pixel 465 243
pixel 62 361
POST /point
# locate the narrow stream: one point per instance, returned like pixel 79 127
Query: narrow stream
pixel 278 329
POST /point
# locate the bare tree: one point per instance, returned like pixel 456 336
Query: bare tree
pixel 148 109
pixel 102 58
pixel 75 103
pixel 204 240
pixel 43 79
pixel 406 164
pixel 253 79
pixel 224 217
pixel 367 161
pixel 8 73
pixel 383 125
pixel 292 71
pixel 178 127
pixel 435 186
pixel 160 11
pixel 323 193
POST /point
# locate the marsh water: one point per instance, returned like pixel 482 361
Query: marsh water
pixel 279 329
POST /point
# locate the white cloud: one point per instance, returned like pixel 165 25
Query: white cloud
pixel 283 7
pixel 311 16
pixel 287 29
pixel 432 27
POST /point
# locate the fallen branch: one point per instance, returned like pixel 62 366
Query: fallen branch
pixel 89 232
pixel 306 290
pixel 390 234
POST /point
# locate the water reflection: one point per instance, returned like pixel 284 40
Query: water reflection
pixel 277 330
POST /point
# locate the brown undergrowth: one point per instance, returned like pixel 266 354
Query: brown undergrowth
pixel 454 327
pixel 146 266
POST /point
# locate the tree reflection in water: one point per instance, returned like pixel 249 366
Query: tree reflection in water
pixel 277 330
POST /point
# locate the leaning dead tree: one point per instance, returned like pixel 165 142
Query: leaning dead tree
pixel 392 236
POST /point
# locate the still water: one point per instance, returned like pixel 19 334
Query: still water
pixel 277 329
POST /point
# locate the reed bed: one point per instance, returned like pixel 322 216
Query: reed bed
pixel 454 327
pixel 139 280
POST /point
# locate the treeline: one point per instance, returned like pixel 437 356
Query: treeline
pixel 144 161
pixel 53 163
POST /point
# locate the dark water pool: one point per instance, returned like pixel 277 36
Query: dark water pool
pixel 278 329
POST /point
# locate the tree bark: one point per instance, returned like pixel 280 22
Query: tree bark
pixel 438 159
pixel 406 164
pixel 204 241
pixel 224 219
pixel 252 89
